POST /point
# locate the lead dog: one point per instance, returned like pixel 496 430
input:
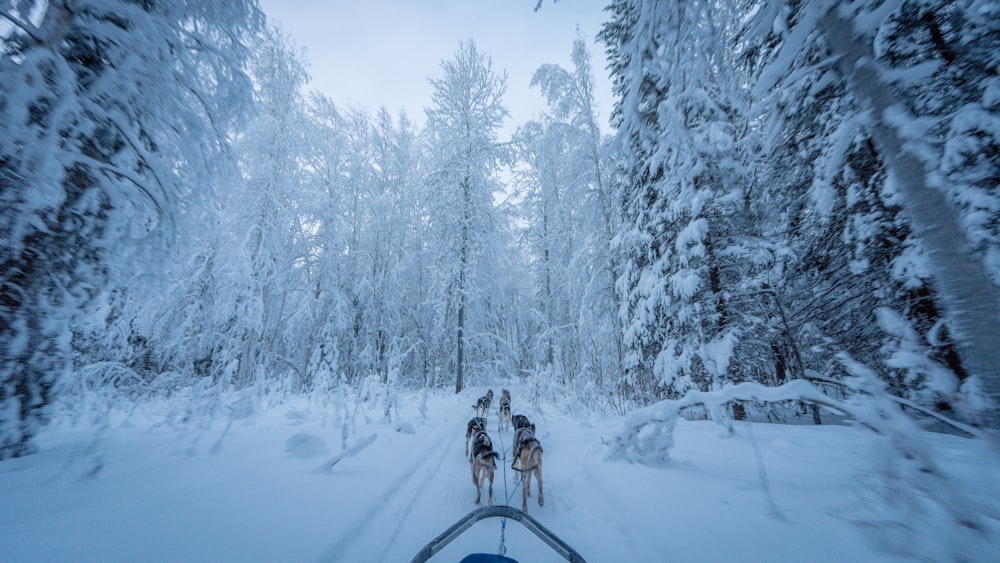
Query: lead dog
pixel 482 406
pixel 475 425
pixel 530 460
pixel 505 410
pixel 482 463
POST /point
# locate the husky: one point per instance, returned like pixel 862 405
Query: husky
pixel 482 463
pixel 522 430
pixel 482 406
pixel 529 458
pixel 505 410
pixel 477 424
pixel 520 421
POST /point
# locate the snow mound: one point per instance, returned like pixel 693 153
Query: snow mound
pixel 306 446
pixel 296 416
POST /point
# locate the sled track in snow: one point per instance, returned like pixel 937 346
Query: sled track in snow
pixel 384 506
pixel 614 508
pixel 412 501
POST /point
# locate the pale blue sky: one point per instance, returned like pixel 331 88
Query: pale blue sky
pixel 373 53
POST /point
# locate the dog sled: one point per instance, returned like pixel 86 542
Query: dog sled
pixel 497 511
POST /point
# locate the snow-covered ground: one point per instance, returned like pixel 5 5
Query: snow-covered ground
pixel 265 491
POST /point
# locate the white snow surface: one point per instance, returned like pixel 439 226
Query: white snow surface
pixel 263 490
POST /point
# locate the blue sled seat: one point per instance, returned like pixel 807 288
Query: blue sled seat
pixel 486 558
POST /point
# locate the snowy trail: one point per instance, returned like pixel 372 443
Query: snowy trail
pixel 428 488
pixel 581 507
pixel 390 509
pixel 433 488
pixel 262 498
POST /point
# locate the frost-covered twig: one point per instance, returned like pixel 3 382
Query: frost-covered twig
pixel 971 431
pixel 352 451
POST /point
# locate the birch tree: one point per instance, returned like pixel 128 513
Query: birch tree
pixel 462 128
pixel 568 149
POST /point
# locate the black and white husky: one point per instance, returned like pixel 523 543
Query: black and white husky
pixel 482 463
pixel 482 406
pixel 477 424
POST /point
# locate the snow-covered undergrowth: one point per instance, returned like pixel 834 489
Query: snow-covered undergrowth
pixel 304 482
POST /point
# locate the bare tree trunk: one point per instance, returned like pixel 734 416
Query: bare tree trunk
pixel 461 340
pixel 463 264
pixel 970 296
pixel 546 260
pixel 304 373
pixel 243 372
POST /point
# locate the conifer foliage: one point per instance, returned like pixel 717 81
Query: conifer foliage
pixel 766 221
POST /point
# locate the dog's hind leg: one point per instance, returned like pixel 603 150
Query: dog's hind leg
pixel 538 474
pixel 491 486
pixel 479 485
pixel 525 486
pixel 475 481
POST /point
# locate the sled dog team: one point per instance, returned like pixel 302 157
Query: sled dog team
pixel 527 449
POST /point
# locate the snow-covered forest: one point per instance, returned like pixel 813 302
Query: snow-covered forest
pixel 795 221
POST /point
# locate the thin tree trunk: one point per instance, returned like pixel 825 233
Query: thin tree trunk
pixel 243 372
pixel 303 374
pixel 461 336
pixel 463 264
pixel 546 260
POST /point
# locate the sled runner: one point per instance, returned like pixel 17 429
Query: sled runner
pixel 498 511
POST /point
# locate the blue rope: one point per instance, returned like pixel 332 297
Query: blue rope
pixel 503 521
pixel 503 529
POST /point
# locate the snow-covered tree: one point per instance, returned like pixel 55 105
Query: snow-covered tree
pixel 464 156
pixel 114 116
pixel 368 255
pixel 940 145
pixel 875 248
pixel 233 292
pixel 264 217
pixel 571 217
pixel 678 117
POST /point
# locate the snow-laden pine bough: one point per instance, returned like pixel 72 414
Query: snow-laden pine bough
pixel 499 511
